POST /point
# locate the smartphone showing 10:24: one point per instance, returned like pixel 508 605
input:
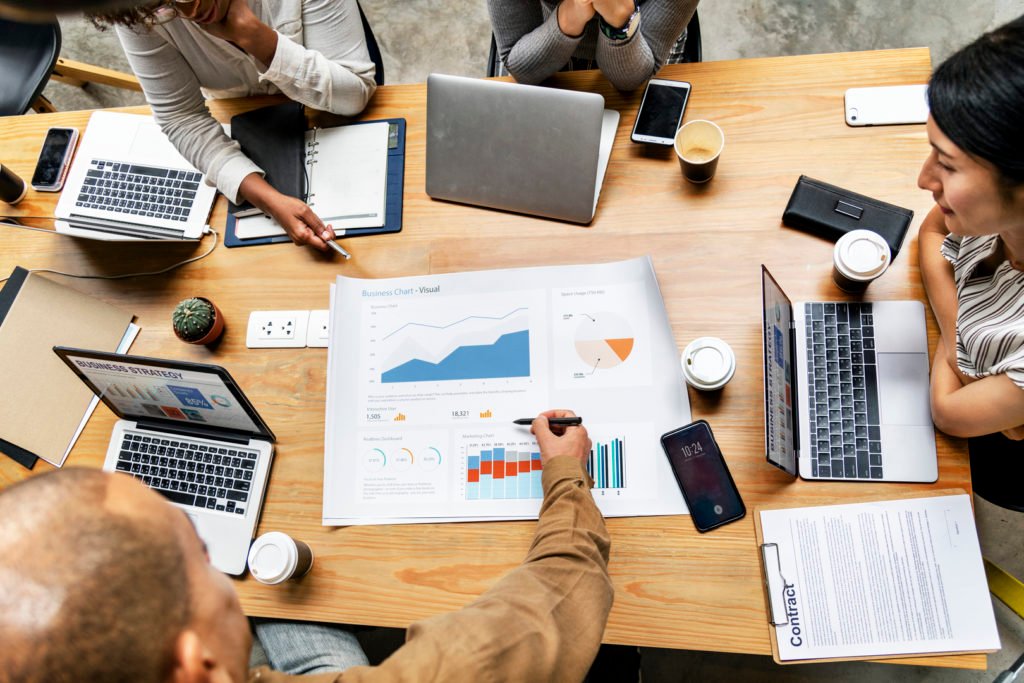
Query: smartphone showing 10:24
pixel 703 477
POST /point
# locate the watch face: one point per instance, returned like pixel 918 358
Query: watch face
pixel 627 30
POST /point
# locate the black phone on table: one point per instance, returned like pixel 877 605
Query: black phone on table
pixel 661 111
pixel 54 159
pixel 703 477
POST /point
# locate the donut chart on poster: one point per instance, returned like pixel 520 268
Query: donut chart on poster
pixel 604 340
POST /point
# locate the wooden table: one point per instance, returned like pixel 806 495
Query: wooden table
pixel 674 587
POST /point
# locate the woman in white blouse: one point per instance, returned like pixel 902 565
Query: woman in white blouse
pixel 971 247
pixel 313 51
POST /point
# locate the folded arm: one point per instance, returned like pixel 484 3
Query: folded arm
pixel 531 47
pixel 937 275
pixel 628 64
pixel 983 406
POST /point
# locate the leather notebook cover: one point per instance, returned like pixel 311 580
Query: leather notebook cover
pixel 830 212
pixel 273 137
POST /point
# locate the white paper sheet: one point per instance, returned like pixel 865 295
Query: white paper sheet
pixel 426 374
pixel 876 579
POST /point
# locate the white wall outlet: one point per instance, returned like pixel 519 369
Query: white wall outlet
pixel 277 329
pixel 318 332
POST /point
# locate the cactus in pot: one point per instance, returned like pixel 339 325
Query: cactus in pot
pixel 197 321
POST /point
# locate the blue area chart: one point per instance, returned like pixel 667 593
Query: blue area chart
pixel 509 356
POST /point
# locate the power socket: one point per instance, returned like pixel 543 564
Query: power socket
pixel 318 332
pixel 277 329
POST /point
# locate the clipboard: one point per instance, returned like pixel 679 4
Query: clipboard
pixel 393 202
pixel 771 580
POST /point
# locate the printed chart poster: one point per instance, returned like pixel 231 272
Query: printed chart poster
pixel 427 374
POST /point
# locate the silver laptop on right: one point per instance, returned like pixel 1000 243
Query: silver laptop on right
pixel 523 148
pixel 846 388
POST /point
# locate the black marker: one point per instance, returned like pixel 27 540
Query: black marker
pixel 553 421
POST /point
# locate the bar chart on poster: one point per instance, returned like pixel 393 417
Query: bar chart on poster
pixel 427 374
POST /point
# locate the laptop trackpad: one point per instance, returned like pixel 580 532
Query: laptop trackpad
pixel 903 389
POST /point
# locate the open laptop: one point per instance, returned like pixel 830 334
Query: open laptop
pixel 128 182
pixel 188 432
pixel 846 388
pixel 523 148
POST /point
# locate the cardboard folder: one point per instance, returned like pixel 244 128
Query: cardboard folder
pixel 41 401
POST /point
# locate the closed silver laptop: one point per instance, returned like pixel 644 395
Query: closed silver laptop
pixel 523 148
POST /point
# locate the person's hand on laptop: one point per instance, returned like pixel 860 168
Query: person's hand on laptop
pixel 294 215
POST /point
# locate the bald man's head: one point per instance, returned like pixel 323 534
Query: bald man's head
pixel 93 583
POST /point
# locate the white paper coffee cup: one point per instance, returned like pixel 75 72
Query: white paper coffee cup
pixel 708 363
pixel 859 257
pixel 276 557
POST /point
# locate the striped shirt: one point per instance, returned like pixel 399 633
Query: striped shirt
pixel 990 315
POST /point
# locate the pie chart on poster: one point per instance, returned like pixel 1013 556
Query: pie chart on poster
pixel 603 340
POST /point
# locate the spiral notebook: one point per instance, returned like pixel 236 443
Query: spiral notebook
pixel 347 178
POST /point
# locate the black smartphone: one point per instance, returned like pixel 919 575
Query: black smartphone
pixel 708 488
pixel 54 159
pixel 661 111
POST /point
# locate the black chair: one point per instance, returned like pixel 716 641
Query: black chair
pixel 28 53
pixel 372 47
pixel 686 49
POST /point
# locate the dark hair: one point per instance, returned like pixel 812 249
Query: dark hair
pixel 108 595
pixel 977 98
pixel 137 15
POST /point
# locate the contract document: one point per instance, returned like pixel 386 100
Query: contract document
pixel 426 374
pixel 892 578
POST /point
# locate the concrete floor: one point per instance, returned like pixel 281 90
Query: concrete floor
pixel 452 36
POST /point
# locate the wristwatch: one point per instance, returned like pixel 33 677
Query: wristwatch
pixel 627 31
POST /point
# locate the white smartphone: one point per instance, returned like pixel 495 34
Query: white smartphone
pixel 887 106
pixel 54 159
pixel 661 111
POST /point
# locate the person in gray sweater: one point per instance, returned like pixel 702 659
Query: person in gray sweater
pixel 629 41
pixel 183 51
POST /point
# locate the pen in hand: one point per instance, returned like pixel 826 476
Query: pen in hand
pixel 553 421
pixel 338 248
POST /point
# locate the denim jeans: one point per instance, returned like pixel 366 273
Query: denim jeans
pixel 295 647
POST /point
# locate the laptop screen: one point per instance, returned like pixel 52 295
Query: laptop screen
pixel 150 389
pixel 779 391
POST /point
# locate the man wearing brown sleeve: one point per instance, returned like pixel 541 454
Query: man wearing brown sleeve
pixel 102 580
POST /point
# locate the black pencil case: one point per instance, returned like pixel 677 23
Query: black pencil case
pixel 831 212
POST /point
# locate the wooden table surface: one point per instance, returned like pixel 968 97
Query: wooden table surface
pixel 782 117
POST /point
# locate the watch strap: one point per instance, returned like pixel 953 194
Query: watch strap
pixel 625 32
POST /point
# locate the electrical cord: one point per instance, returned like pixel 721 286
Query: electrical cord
pixel 121 276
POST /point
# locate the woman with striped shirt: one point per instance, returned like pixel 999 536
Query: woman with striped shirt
pixel 971 248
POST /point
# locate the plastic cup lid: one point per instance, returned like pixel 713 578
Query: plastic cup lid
pixel 273 557
pixel 862 254
pixel 708 362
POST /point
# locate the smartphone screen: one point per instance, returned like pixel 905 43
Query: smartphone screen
pixel 661 111
pixel 50 166
pixel 703 477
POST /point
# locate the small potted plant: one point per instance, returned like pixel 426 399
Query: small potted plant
pixel 197 321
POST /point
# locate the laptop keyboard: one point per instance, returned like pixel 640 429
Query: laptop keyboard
pixel 201 475
pixel 841 372
pixel 137 190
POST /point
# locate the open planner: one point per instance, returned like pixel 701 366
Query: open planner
pixel 890 578
pixel 348 181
